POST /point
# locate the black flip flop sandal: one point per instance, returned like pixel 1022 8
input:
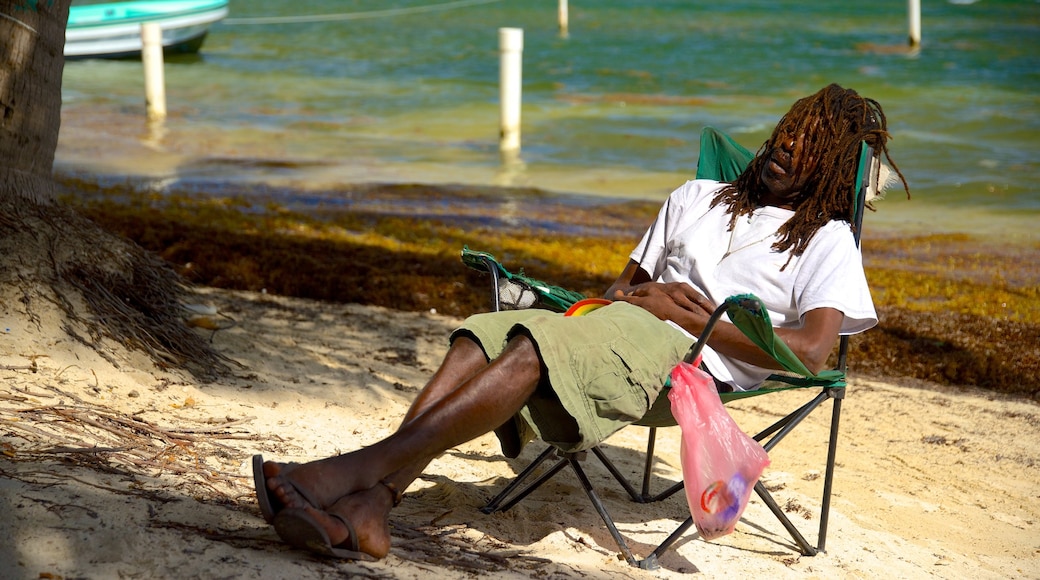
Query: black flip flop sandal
pixel 300 530
pixel 270 505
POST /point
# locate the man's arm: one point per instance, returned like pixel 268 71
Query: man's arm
pixel 684 305
pixel 630 277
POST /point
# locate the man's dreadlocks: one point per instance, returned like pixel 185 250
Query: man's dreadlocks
pixel 834 121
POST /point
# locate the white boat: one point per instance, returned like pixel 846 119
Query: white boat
pixel 114 30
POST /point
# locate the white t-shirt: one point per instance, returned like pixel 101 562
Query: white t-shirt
pixel 689 242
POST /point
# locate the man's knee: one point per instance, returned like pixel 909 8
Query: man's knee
pixel 522 351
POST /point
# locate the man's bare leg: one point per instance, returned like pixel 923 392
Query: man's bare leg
pixel 369 510
pixel 463 360
pixel 441 418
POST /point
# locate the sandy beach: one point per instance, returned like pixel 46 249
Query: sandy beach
pixel 116 469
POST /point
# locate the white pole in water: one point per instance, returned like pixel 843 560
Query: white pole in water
pixel 511 48
pixel 154 81
pixel 563 17
pixel 914 9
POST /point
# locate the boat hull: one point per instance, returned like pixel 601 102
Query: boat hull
pixel 114 30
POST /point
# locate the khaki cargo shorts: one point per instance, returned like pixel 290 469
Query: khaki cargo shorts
pixel 604 368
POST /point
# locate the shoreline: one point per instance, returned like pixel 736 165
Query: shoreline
pixel 120 145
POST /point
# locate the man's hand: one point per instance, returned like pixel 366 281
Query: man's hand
pixel 674 301
pixel 685 306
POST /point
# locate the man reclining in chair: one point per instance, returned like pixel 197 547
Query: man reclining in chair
pixel 781 231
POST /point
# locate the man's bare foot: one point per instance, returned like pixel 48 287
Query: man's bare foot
pixel 368 511
pixel 317 484
pixel 287 493
pixel 269 504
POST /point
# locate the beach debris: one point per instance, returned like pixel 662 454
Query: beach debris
pixel 60 424
pixel 206 317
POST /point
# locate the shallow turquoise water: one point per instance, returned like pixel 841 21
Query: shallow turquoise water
pixel 614 107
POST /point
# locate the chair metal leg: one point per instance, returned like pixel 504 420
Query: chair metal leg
pixel 574 460
pixel 647 497
pixel 806 548
pixel 644 496
pixel 777 432
pixel 626 552
pixel 621 479
pixel 675 488
pixel 782 428
pixel 517 491
pixel 828 478
pixel 650 563
pixel 496 503
pixel 651 439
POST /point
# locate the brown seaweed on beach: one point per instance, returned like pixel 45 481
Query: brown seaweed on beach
pixel 954 310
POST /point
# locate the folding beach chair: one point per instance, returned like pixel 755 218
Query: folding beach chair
pixel 721 158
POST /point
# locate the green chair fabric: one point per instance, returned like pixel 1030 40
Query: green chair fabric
pixel 721 158
pixel 551 297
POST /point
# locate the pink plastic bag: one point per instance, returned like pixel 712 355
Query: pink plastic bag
pixel 720 463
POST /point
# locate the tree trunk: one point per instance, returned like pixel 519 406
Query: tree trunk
pixel 32 49
pixel 113 295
